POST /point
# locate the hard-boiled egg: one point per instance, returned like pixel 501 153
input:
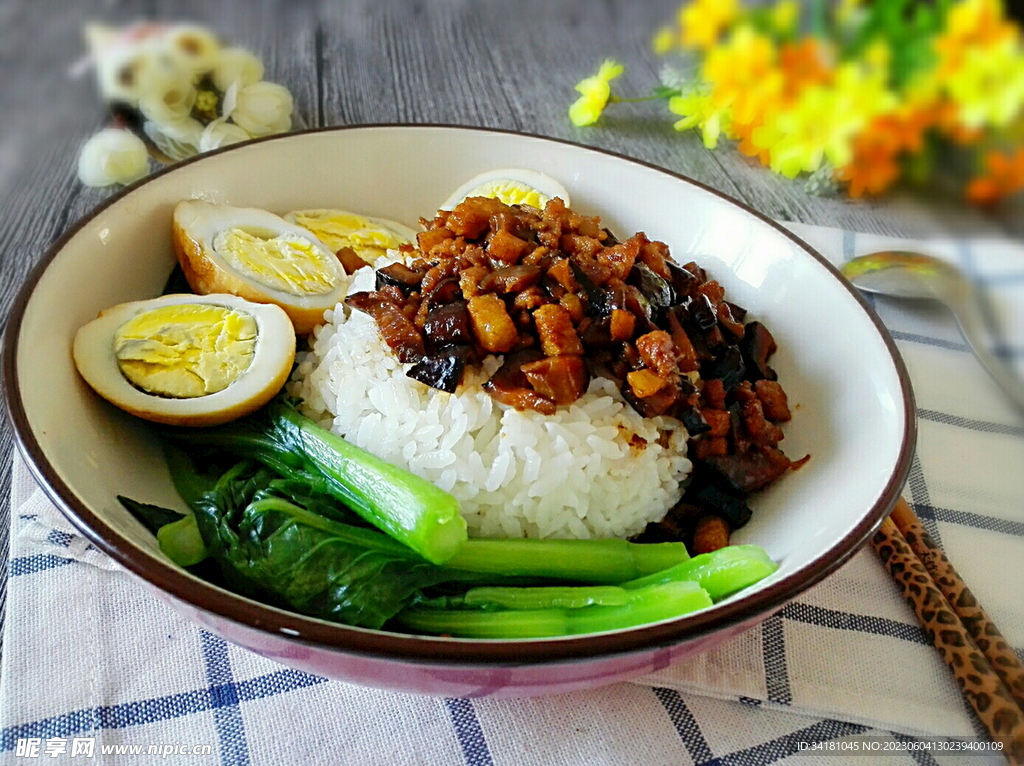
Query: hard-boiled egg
pixel 513 186
pixel 188 360
pixel 370 238
pixel 258 256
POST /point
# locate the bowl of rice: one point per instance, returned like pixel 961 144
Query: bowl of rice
pixel 592 468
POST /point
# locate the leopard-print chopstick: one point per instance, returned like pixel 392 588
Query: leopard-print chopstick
pixel 979 683
pixel 984 632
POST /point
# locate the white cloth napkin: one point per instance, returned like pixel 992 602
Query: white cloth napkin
pixel 92 663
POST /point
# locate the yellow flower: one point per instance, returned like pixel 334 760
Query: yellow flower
pixel 742 74
pixel 878 55
pixel 878 148
pixel 971 25
pixel 824 121
pixel 664 40
pixel 784 16
pixel 924 87
pixel 847 12
pixel 595 93
pixel 988 86
pixel 978 19
pixel 701 22
pixel 803 63
pixel 698 110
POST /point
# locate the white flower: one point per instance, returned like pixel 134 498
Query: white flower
pixel 168 95
pixel 195 48
pixel 220 133
pixel 100 38
pixel 236 65
pixel 263 108
pixel 123 73
pixel 178 140
pixel 122 57
pixel 112 156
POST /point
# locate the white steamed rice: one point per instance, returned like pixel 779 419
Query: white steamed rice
pixel 579 473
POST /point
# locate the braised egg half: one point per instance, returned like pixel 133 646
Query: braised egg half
pixel 187 360
pixel 258 256
pixel 513 186
pixel 368 238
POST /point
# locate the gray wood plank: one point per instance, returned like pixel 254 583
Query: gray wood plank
pixel 44 118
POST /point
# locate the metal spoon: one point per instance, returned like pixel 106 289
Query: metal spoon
pixel 913 275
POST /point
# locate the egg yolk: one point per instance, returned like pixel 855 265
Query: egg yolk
pixel 340 230
pixel 287 263
pixel 511 193
pixel 187 350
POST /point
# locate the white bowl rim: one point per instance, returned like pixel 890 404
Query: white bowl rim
pixel 424 649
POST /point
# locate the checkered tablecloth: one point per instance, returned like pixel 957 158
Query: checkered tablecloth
pixel 95 670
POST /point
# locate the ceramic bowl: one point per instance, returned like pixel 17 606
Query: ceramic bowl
pixel 853 405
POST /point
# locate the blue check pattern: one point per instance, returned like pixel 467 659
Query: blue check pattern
pixel 130 670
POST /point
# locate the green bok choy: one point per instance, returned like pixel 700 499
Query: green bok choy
pixel 288 521
pixel 410 509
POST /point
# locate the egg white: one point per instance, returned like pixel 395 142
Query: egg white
pixel 522 177
pixel 196 225
pixel 94 355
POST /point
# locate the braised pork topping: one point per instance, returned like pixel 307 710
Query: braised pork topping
pixel 563 300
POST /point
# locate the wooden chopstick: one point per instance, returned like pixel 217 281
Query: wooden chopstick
pixel 979 682
pixel 984 632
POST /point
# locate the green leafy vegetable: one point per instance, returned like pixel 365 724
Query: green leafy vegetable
pixel 287 524
pixel 284 540
pixel 191 481
pixel 271 548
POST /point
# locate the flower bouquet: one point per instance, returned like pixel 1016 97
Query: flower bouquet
pixel 869 95
pixel 174 91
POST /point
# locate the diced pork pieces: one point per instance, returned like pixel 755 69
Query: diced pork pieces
pixel 563 300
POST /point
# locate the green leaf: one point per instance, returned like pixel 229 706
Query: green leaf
pixel 664 91
pixel 908 28
pixel 152 517
pixel 275 550
pixel 176 282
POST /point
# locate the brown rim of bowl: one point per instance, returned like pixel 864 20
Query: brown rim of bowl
pixel 402 647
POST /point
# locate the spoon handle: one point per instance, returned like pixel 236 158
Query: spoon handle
pixel 968 318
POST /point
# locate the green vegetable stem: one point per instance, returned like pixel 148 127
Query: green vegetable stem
pixel 550 597
pixel 181 542
pixel 405 506
pixel 607 562
pixel 721 573
pixel 643 605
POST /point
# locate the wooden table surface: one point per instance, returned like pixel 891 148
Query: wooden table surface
pixel 508 65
